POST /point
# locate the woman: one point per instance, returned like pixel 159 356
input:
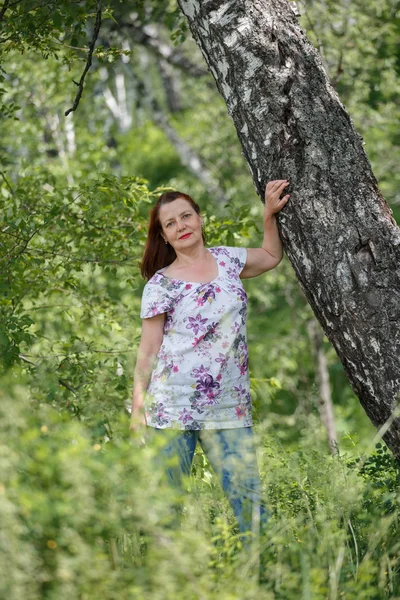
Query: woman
pixel 191 380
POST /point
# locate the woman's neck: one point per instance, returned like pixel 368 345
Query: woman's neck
pixel 190 257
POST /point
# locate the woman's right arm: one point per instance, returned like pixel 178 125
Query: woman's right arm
pixel 150 343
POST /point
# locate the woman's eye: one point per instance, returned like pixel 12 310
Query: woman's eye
pixel 187 215
pixel 168 224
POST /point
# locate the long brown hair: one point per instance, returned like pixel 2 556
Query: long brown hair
pixel 158 254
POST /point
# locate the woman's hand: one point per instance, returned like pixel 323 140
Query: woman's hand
pixel 273 202
pixel 138 420
pixel 260 260
pixel 137 428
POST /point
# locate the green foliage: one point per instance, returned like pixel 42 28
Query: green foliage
pixel 81 518
pixel 70 269
pixel 149 141
pixel 83 511
pixel 45 26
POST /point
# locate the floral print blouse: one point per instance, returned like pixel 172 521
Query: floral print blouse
pixel 200 378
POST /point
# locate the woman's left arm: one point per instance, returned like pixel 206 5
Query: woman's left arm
pixel 270 254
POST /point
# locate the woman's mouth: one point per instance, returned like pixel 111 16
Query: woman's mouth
pixel 183 237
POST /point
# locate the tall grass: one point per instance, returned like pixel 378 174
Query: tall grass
pixel 83 519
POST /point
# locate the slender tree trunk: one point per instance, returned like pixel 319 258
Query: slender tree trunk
pixel 325 404
pixel 60 139
pixel 189 158
pixel 171 86
pixel 337 229
pixel 117 103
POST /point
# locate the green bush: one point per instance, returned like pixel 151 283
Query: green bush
pixel 83 519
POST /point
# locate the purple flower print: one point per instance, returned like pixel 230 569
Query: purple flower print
pixel 195 402
pixel 222 359
pixel 241 294
pixel 157 412
pixel 243 364
pixel 167 370
pixel 243 312
pixel 156 279
pixel 207 385
pixel 231 273
pixel 195 425
pixel 196 341
pixel 162 355
pixel 154 308
pixel 240 391
pixel 240 411
pixel 203 349
pixel 185 416
pixel 160 410
pixel 207 294
pixel 169 284
pixel 222 263
pixel 235 327
pixel 200 372
pixel 212 333
pixel 220 250
pixel 238 264
pixel 197 324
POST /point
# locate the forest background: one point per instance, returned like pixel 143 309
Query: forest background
pixel 80 517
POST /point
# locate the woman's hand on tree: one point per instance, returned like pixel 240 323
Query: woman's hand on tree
pixel 273 202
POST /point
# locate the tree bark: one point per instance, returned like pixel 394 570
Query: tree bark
pixel 337 229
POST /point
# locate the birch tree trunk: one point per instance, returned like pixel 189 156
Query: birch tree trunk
pixel 337 229
pixel 325 404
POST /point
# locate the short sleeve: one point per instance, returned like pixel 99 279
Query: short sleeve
pixel 155 300
pixel 237 257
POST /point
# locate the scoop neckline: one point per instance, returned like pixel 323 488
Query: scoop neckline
pixel 160 272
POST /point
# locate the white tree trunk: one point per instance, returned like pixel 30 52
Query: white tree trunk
pixel 337 229
pixel 189 158
pixel 325 404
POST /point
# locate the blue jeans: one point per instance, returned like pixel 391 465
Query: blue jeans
pixel 232 455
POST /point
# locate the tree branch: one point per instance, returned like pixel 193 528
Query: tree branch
pixel 111 261
pixel 89 59
pixel 27 240
pixel 189 158
pixel 60 381
pixel 148 35
pixel 4 8
pixel 5 178
pixel 339 70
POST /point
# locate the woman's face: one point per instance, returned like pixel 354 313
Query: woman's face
pixel 180 224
